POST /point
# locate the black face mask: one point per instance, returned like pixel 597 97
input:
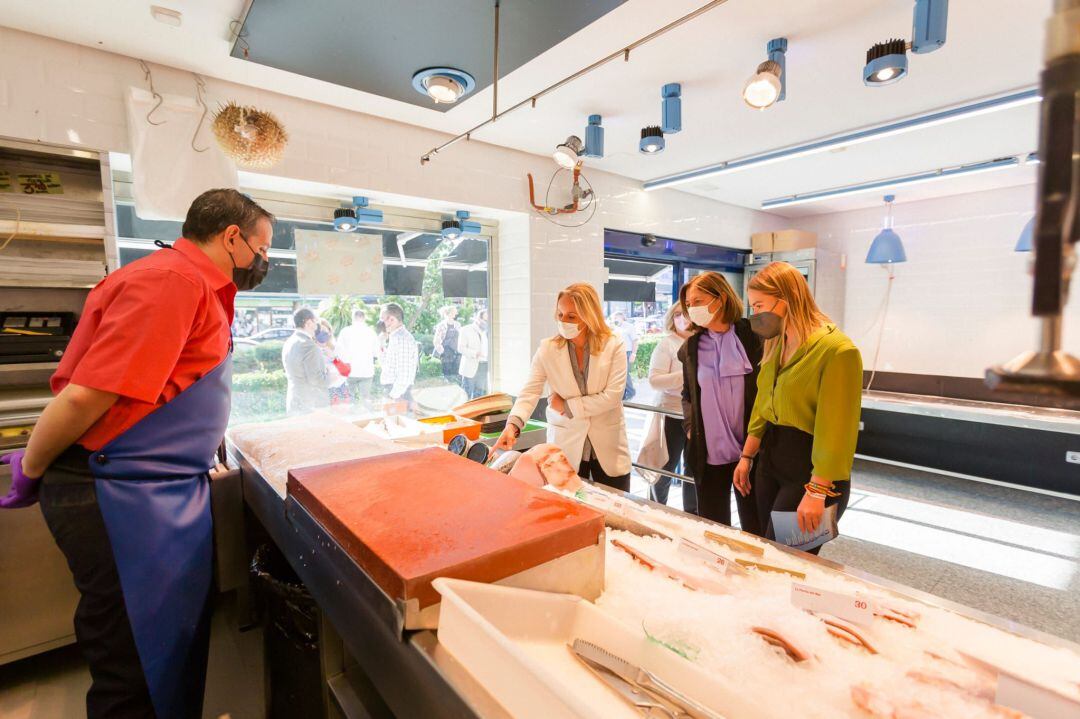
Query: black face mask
pixel 766 324
pixel 250 277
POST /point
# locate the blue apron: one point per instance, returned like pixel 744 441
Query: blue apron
pixel 153 489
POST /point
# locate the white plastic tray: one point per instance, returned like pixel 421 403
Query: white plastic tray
pixel 515 642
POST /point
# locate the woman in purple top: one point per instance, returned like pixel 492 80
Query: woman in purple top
pixel 720 367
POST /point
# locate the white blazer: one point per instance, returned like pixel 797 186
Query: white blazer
pixel 473 346
pixel 598 414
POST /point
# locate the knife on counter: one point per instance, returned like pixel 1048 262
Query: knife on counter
pixel 674 702
pixel 649 705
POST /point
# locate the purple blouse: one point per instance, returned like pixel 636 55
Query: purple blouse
pixel 722 365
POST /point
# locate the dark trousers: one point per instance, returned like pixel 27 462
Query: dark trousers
pixel 675 439
pixel 591 469
pixel 714 498
pixel 784 466
pixel 476 386
pixel 69 503
pixel 629 391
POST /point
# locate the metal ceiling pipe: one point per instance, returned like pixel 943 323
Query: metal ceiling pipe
pixel 531 100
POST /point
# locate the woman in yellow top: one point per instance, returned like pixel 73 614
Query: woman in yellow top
pixel 805 420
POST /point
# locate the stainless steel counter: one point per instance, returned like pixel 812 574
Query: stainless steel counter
pixel 1010 415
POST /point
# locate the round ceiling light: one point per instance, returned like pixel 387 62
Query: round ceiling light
pixel 444 85
pixel 568 154
pixel 763 89
pixel 652 140
pixel 345 219
pixel 886 63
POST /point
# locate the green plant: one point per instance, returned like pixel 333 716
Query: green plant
pixel 645 349
pixel 268 355
pixel 244 360
pixel 338 311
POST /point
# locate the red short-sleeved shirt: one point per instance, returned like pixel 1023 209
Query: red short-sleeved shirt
pixel 148 331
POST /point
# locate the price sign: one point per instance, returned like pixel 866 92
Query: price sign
pixel 1024 695
pixel 849 607
pixel 711 559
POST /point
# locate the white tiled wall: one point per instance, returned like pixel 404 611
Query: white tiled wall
pixel 962 300
pixel 62 93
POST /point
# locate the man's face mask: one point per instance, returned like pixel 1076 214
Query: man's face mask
pixel 250 277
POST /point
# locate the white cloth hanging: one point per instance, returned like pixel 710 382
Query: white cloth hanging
pixel 167 172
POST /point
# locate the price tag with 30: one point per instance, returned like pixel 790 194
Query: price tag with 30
pixel 849 607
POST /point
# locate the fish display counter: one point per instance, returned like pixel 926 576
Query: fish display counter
pixel 461 590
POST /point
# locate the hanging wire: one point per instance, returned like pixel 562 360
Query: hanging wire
pixel 236 27
pixel 200 97
pixel 149 78
pixel 18 216
pixel 590 205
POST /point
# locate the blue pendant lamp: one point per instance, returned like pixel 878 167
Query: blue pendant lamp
pixel 886 249
pixel 1024 243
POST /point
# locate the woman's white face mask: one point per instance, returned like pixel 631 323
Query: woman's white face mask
pixel 569 330
pixel 701 315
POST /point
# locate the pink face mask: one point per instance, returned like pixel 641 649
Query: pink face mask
pixel 681 323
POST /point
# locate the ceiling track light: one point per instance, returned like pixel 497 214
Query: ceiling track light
pixel 444 85
pixel 594 138
pixel 768 85
pixel 567 155
pixel 459 226
pixel 886 62
pixel 347 219
pixel 652 140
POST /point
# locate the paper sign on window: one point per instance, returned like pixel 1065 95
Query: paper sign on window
pixel 41 183
pixel 338 263
pixel 5 182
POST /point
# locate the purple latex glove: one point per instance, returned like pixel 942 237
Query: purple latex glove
pixel 24 490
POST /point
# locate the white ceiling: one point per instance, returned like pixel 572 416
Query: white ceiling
pixel 994 46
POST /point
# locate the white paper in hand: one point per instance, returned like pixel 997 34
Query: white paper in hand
pixel 786 530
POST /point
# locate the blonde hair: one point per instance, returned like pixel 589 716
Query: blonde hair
pixel 669 318
pixel 587 304
pixel 713 284
pixel 784 282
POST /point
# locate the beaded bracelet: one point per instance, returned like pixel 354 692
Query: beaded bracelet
pixel 818 490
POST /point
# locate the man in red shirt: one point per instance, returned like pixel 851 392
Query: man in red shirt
pixel 119 458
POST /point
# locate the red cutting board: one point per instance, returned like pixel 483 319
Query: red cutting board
pixel 410 517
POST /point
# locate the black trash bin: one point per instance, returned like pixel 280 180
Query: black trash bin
pixel 294 684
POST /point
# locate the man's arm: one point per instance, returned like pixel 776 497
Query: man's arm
pixel 66 418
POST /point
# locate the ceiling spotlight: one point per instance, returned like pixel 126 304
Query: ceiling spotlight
pixel 886 62
pixel 345 219
pixel 166 16
pixel 768 85
pixel 594 138
pixel 652 140
pixel 444 85
pixel 451 229
pixel 648 240
pixel 569 153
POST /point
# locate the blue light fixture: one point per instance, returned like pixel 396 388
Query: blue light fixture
pixel 768 85
pixel 671 109
pixel 594 138
pixel 460 225
pixel 886 62
pixel 347 219
pixel 886 249
pixel 652 140
pixel 1024 244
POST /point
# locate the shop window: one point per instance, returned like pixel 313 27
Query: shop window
pixel 422 272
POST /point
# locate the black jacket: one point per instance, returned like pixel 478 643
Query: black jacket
pixel 696 454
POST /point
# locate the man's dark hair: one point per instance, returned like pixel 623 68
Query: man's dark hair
pixel 394 310
pixel 359 314
pixel 214 210
pixel 301 316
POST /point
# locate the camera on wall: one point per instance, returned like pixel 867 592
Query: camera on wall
pixel 648 240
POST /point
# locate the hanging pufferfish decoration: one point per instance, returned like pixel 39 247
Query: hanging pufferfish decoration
pixel 249 136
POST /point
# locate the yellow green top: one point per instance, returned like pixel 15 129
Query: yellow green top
pixel 818 391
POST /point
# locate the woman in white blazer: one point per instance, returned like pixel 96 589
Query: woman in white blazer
pixel 585 368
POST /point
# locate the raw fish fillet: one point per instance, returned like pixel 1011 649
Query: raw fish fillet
pixel 555 467
pixel 527 471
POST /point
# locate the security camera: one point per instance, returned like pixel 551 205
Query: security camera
pixel 648 240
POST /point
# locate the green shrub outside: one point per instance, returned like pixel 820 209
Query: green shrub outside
pixel 645 348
